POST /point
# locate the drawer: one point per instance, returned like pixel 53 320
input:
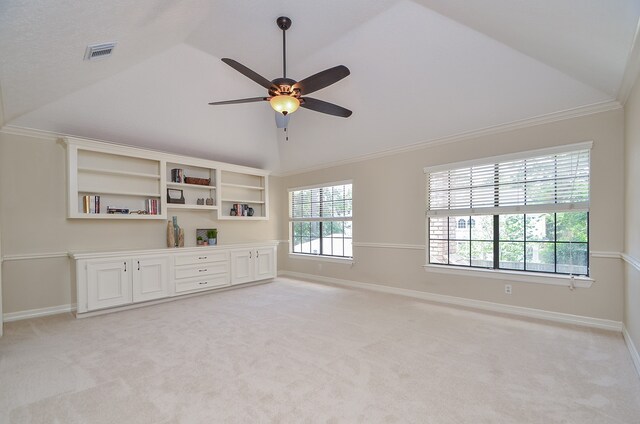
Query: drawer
pixel 202 269
pixel 201 258
pixel 203 283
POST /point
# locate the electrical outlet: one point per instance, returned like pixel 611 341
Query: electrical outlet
pixel 507 288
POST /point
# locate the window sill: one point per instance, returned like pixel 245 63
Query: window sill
pixel 337 260
pixel 518 276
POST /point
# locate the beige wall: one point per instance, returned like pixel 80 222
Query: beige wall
pixel 389 207
pixel 33 220
pixel 632 213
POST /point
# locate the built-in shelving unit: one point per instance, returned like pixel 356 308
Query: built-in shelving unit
pixel 131 178
pixel 193 192
pixel 120 181
pixel 244 189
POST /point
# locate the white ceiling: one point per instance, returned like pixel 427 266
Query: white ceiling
pixel 420 70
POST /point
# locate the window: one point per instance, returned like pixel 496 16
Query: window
pixel 321 220
pixel 527 213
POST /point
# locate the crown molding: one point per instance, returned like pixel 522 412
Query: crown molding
pixel 32 132
pixel 495 129
pixel 632 69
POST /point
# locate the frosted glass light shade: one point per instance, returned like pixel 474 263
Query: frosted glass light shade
pixel 284 104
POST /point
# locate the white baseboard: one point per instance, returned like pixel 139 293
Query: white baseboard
pixel 604 324
pixel 635 356
pixel 35 313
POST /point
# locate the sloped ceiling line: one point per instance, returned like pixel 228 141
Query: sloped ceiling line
pixel 632 70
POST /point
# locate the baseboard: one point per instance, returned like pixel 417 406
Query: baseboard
pixel 599 323
pixel 635 356
pixel 35 313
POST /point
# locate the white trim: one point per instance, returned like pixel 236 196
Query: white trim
pixel 604 254
pixel 329 184
pixel 631 261
pixel 600 323
pixel 389 246
pixel 635 357
pixel 334 259
pixel 322 219
pixel 41 312
pixel 32 256
pixel 592 109
pixel 519 276
pixel 574 147
pixel 504 210
pixel 631 69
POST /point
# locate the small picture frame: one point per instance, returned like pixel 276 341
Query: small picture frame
pixel 175 195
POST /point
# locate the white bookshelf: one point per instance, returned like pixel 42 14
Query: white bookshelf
pixel 245 189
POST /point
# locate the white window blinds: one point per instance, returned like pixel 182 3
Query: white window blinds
pixel 542 183
pixel 325 203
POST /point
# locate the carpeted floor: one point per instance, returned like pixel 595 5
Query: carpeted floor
pixel 298 352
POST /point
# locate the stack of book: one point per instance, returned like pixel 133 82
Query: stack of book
pixel 177 175
pixel 91 204
pixel 151 206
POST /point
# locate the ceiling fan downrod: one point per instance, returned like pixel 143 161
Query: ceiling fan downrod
pixel 284 24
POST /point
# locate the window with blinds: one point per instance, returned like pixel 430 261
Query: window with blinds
pixel 525 212
pixel 321 220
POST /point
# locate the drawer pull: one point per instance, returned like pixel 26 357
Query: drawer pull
pixel 204 282
pixel 202 270
pixel 202 257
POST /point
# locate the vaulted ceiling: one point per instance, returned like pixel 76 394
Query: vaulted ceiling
pixel 421 70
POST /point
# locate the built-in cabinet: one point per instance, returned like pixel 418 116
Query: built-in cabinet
pixel 252 264
pixel 135 183
pixel 115 279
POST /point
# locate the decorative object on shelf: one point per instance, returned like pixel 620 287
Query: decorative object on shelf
pixel 200 202
pixel 139 212
pixel 123 211
pixel 171 237
pixel 250 212
pixel 180 237
pixel 177 175
pixel 210 201
pixel 233 212
pixel 199 241
pixel 151 207
pixel 212 235
pixel 197 181
pixel 175 195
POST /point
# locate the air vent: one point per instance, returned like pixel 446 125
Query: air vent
pixel 99 51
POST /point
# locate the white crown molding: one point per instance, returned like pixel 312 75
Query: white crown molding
pixel 600 323
pixel 32 132
pixel 635 357
pixel 604 254
pixel 495 129
pixel 390 245
pixel 632 69
pixel 36 313
pixel 634 262
pixel 32 256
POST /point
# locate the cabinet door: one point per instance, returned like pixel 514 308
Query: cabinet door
pixel 108 283
pixel 150 278
pixel 242 266
pixel 265 263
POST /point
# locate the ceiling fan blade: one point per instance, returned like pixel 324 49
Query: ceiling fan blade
pixel 250 74
pixel 322 79
pixel 324 107
pixel 282 121
pixel 233 102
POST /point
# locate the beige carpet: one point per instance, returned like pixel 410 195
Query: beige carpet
pixel 297 352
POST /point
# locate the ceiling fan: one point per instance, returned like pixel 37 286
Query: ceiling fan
pixel 286 94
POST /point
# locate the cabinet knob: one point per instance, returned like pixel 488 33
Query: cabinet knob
pixel 202 257
pixel 257 254
pixel 138 265
pixel 202 270
pixel 125 266
pixel 203 283
pixel 250 255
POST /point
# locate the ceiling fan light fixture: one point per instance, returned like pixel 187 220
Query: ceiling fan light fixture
pixel 284 104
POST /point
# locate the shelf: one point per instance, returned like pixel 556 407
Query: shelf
pixel 119 193
pixel 242 218
pixel 250 187
pixel 259 202
pixel 195 207
pixel 116 216
pixel 124 173
pixel 196 186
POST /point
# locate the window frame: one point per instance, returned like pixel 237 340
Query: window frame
pixel 495 271
pixel 320 220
